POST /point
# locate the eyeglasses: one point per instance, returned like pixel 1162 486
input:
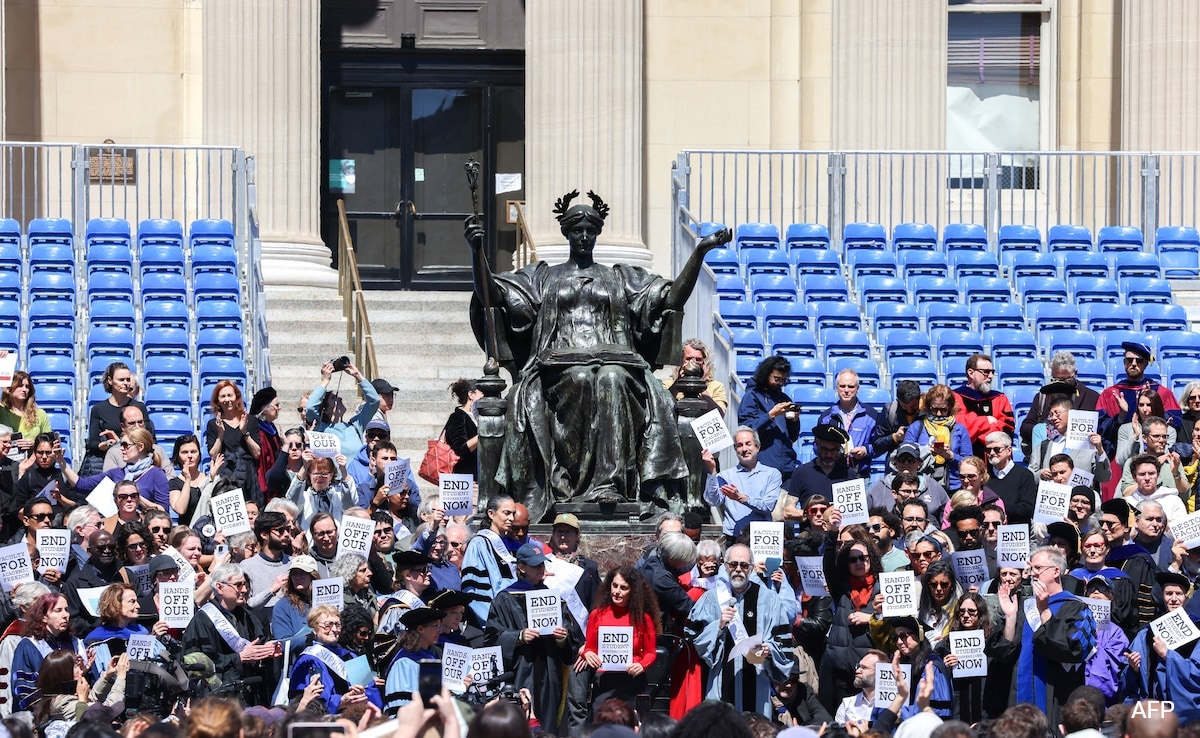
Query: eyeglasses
pixel 939 410
pixel 916 520
pixel 1037 569
pixel 902 635
pixel 817 510
pixel 456 544
pixel 128 496
pixel 320 474
pixel 996 449
pixel 384 532
pixel 237 585
pixel 963 611
pixel 991 524
pixel 967 477
pixel 159 530
pixel 1193 398
pixel 329 626
pixel 855 559
pixel 109 547
pixel 736 565
pixel 1109 523
pixel 860 667
pixel 926 555
pixel 939 585
pixel 294 446
pixel 1157 436
pixel 1095 546
pixel 282 529
pixel 1135 360
pixel 127 444
pixel 420 572
pixel 875 528
pixel 973 532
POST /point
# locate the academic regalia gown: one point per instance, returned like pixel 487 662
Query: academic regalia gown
pixel 1052 658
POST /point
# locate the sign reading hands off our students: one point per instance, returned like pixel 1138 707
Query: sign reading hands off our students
pixel 324 445
pixel 850 497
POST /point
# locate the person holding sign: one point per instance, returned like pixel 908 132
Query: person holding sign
pixel 325 662
pixel 942 439
pixel 47 628
pixel 746 493
pixel 913 649
pixel 1092 459
pixel 971 695
pixel 939 596
pixel 536 659
pixel 422 627
pixel 1146 673
pixel 851 573
pixel 818 476
pixel 119 611
pixel 1104 665
pixel 328 411
pixel 625 600
pixel 289 616
pixel 322 486
pixel 142 466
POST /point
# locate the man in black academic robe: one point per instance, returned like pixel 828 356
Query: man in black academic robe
pixel 538 661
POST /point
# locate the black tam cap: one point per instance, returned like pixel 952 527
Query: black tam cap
pixel 831 434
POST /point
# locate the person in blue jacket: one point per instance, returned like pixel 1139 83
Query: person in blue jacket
pixel 328 410
pixel 766 409
pixel 914 650
pixel 328 662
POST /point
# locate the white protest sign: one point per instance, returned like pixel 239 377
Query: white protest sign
pixel 1187 529
pixel 328 592
pixel 395 474
pixel 710 430
pixel 324 444
pixel 8 366
pixel 1012 546
pixel 851 498
pixel 1081 478
pixel 616 647
pixel 354 536
pixel 766 541
pixel 968 646
pixel 485 664
pixel 229 513
pixel 142 647
pixel 90 597
pixel 15 565
pixel 455 491
pixel 885 682
pixel 971 568
pixel 1080 425
pixel 544 610
pixel 899 590
pixel 142 581
pixel 53 545
pixel 1052 502
pixel 812 575
pixel 101 498
pixel 46 493
pixel 454 666
pixel 1101 609
pixel 176 603
pixel 186 571
pixel 1175 628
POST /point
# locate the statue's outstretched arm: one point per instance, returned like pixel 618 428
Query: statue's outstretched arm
pixel 485 282
pixel 685 282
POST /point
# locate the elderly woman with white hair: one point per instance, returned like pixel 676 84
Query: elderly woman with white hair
pixel 356 581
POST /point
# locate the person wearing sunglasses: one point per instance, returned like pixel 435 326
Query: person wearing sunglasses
pixel 1118 403
pixel 981 408
pixel 884 526
pixel 913 648
pixel 1064 380
pixel 101 569
pixel 324 661
pixel 851 575
pixel 142 465
pixel 942 439
pixel 981 696
pixel 46 466
pixel 940 591
pixel 1189 401
pixel 288 464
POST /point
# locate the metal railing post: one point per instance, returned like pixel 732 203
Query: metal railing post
pixel 836 170
pixel 991 199
pixel 1150 173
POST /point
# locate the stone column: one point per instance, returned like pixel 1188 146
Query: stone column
pixel 1160 75
pixel 583 120
pixel 262 93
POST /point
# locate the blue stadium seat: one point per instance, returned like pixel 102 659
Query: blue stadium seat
pixel 938 315
pixel 707 228
pixel 964 237
pixel 756 236
pixel 10 246
pixel 1051 316
pixel 51 314
pixel 1078 342
pixel 168 369
pixel 772 287
pixel 1031 264
pixel 874 397
pixel 974 264
pixel 109 312
pixel 1110 344
pixel 746 342
pixel 115 344
pixel 10 311
pixel 1179 372
pixel 1127 264
pixel 735 313
pixel 934 289
pixel 166 342
pixel 818 287
pixel 845 342
pixel 922 371
pixel 165 312
pixel 213 369
pixel 914 237
pixel 55 395
pixel 1014 238
pixel 167 257
pixel 1041 289
pixel 745 366
pixel 51 257
pixel 168 426
pixel 902 343
pixel 1152 317
pixel 992 315
pixel 956 344
pixel 719 260
pixel 1016 371
pixel 218 314
pixel 52 369
pixel 1110 239
pixel 168 397
pixel 1084 290
pixel 1092 373
pixel 778 314
pixel 10 340
pixel 205 231
pixel 922 264
pixel 109 257
pixel 107 230
pixel 864 263
pixel 1009 342
pixel 815 261
pixel 793 342
pixel 1135 290
pixel 867 369
pixel 728 286
pixel 215 285
pixel 159 231
pixel 56 341
pixel 888 315
pixel 10 285
pixel 1102 316
pixel 870 236
pixel 110 285
pixel 807 371
pixel 50 230
pixel 765 261
pixel 882 289
pixel 806 236
pixel 173 285
pixel 1178 250
pixel 1068 238
pixel 826 315
pixel 1082 264
pixel 986 289
pixel 1179 344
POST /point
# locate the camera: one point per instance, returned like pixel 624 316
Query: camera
pixel 340 363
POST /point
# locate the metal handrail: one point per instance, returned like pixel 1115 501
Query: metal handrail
pixel 526 252
pixel 354 305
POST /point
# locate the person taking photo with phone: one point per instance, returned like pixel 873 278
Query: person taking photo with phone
pixel 324 661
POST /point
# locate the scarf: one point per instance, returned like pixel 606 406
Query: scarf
pixel 267 427
pixel 861 589
pixel 938 431
pixel 134 471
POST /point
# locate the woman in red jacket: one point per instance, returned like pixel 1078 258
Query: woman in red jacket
pixel 625 599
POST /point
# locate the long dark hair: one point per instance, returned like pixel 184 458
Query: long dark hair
pixel 767 367
pixel 642 600
pixel 983 620
pixel 925 605
pixel 56 676
pixel 875 563
pixel 500 719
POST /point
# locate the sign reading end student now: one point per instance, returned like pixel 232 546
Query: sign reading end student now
pixel 456 493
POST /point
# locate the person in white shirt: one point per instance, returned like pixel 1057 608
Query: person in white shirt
pixel 858 707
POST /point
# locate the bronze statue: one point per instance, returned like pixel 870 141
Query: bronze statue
pixel 587 421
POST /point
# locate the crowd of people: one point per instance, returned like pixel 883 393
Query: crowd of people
pixel 697 635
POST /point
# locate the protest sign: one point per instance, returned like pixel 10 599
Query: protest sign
pixel 899 590
pixel 616 647
pixel 328 592
pixel 885 682
pixel 1081 424
pixel 186 572
pixel 141 579
pixel 812 575
pixel 485 664
pixel 1081 478
pixel 324 445
pixel 711 431
pixel 544 610
pixel 1187 529
pixel 53 545
pixel 229 513
pixel 454 666
pixel 1175 629
pixel 101 498
pixel 455 491
pixel 1052 502
pixel 176 603
pixel 90 597
pixel 1012 546
pixel 971 568
pixel 850 497
pixel 8 366
pixel 395 474
pixel 1101 609
pixel 968 646
pixel 354 536
pixel 142 647
pixel 766 541
pixel 15 565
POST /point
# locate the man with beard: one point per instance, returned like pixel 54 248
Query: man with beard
pixel 723 617
pixel 1118 403
pixel 267 571
pixel 1170 477
pixel 383 543
pixel 885 526
pixel 536 659
pixel 980 408
pixel 897 416
pixel 323 530
pixel 858 707
pixel 907 460
pixel 746 493
pixel 1015 485
pixel 818 476
pixel 101 569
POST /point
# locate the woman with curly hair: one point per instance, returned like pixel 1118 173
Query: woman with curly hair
pixel 624 599
pixel 19 410
pixel 851 574
pixel 771 413
pixel 232 434
pixel 939 596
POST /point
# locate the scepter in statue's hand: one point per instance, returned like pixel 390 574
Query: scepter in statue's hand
pixel 485 285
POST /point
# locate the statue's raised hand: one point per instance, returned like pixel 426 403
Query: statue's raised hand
pixel 473 232
pixel 715 239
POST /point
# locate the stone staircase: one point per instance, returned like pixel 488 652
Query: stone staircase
pixel 1187 294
